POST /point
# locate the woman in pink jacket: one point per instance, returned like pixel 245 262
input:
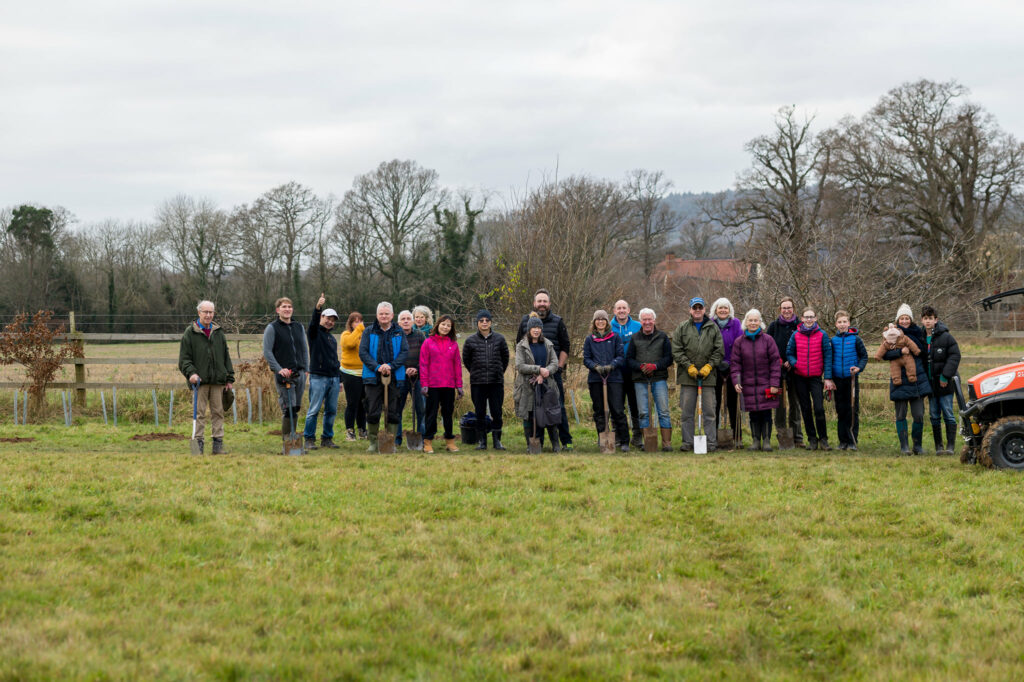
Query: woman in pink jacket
pixel 440 380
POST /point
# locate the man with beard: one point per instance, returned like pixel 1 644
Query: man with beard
pixel 556 332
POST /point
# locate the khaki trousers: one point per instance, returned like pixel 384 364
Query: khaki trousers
pixel 211 395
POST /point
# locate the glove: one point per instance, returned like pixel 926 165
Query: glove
pixel 604 370
pixel 692 371
pixel 459 393
pixel 705 371
pixel 424 390
pixel 943 382
pixel 648 368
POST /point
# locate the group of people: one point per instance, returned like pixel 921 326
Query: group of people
pixel 744 365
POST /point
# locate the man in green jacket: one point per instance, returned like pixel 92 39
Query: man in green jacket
pixel 697 349
pixel 204 360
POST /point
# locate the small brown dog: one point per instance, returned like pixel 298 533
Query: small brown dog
pixel 893 338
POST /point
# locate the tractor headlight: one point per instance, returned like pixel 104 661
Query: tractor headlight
pixel 997 383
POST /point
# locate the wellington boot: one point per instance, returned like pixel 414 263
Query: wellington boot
pixel 450 446
pixel 666 439
pixel 218 447
pixel 755 437
pixel 428 446
pixel 496 440
pixel 373 430
pixel 916 433
pixel 481 444
pixel 950 438
pixel 937 437
pixel 901 432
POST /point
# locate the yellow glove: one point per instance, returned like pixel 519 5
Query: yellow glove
pixel 692 371
pixel 705 371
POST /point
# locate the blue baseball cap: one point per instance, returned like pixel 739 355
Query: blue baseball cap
pixel 697 300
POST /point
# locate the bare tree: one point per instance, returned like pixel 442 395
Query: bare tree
pixel 123 258
pixel 296 214
pixel 394 205
pixel 256 256
pixel 194 232
pixel 652 220
pixel 933 167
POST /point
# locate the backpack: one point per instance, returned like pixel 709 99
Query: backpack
pixel 547 410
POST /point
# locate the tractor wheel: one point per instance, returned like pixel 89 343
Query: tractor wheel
pixel 1004 444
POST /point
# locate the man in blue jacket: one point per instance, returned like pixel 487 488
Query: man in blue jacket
pixel 383 350
pixel 625 326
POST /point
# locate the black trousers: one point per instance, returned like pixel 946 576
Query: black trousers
pixel 487 396
pixel 563 428
pixel 375 402
pixel 810 395
pixel 789 413
pixel 630 393
pixel 615 406
pixel 355 408
pixel 443 398
pixel 725 385
pixel 847 410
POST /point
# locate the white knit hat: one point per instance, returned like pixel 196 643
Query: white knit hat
pixel 904 309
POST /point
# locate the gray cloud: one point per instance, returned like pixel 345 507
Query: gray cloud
pixel 111 108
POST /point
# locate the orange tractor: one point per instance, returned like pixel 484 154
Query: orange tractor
pixel 993 414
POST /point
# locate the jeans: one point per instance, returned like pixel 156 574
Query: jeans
pixel 323 390
pixel 660 391
pixel 941 404
pixel 411 389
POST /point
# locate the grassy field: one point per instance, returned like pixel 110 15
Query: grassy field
pixel 128 560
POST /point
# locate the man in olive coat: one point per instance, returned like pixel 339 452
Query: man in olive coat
pixel 698 349
pixel 205 361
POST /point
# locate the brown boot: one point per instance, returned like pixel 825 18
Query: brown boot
pixel 666 439
pixel 449 445
pixel 428 447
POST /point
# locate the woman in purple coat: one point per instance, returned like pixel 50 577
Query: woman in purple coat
pixel 724 316
pixel 757 375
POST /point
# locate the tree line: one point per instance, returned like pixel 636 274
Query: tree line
pixel 920 197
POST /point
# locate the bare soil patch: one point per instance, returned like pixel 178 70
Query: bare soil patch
pixel 16 440
pixel 158 436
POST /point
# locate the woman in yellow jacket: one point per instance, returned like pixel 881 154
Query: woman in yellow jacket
pixel 352 377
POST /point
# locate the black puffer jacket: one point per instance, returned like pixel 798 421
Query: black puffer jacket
pixel 942 359
pixel 486 358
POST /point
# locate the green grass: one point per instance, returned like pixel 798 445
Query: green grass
pixel 124 560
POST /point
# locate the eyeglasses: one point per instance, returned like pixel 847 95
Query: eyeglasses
pixel 697 307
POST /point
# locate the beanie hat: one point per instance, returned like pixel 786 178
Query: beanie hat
pixel 904 309
pixel 484 313
pixel 534 321
pixel 600 315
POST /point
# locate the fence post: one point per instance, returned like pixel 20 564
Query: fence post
pixel 156 414
pixel 248 403
pixel 103 403
pixel 170 410
pixel 114 389
pixel 15 407
pixel 79 365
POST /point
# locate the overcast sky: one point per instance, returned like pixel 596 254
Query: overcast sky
pixel 109 108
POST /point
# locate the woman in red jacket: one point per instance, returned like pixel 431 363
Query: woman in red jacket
pixel 441 380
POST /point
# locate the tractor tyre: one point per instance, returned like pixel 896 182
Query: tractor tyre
pixel 1003 445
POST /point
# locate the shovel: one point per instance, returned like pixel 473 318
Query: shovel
pixel 533 443
pixel 725 436
pixel 785 431
pixel 386 439
pixel 292 442
pixel 650 431
pixel 700 442
pixel 413 438
pixel 853 407
pixel 606 439
pixel 195 445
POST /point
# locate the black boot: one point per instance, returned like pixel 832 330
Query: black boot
pixel 950 438
pixel 481 443
pixel 496 440
pixel 328 443
pixel 310 442
pixel 916 433
pixel 766 436
pixel 218 447
pixel 556 445
pixel 937 437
